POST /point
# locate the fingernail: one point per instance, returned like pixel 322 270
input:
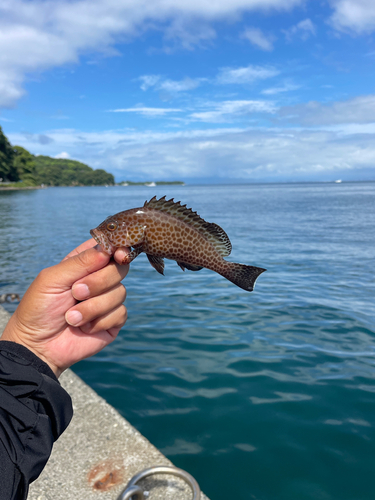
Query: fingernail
pixel 80 291
pixel 73 317
pixel 98 247
pixel 121 256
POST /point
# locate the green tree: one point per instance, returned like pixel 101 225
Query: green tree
pixel 100 177
pixel 24 163
pixel 62 172
pixel 7 170
pixel 16 163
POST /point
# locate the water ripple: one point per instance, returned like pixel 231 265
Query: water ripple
pixel 268 395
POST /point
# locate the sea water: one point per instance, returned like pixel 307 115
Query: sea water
pixel 268 395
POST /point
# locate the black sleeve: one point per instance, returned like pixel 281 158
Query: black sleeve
pixel 34 411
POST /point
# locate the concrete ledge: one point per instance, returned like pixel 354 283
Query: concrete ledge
pixel 99 453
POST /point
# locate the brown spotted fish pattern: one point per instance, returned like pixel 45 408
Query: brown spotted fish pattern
pixel 166 229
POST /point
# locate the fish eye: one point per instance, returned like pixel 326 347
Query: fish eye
pixel 111 226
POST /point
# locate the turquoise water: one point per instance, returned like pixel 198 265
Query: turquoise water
pixel 267 395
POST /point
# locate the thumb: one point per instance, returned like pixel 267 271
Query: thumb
pixel 67 272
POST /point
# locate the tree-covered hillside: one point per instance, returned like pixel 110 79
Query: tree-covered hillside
pixel 7 169
pixel 58 172
pixel 17 164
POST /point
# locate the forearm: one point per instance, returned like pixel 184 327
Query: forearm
pixel 34 412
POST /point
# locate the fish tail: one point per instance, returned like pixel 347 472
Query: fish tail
pixel 242 275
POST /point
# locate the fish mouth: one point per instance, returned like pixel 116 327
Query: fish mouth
pixel 102 241
pixel 95 236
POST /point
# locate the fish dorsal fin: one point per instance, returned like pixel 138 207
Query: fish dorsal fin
pixel 211 231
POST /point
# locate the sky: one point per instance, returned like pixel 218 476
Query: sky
pixel 203 91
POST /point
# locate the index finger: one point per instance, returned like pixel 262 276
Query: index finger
pixel 81 248
pixel 63 275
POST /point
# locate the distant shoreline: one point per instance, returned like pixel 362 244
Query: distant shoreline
pixel 13 188
pixel 121 184
pixel 161 183
pixel 151 183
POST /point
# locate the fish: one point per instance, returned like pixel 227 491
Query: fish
pixel 166 229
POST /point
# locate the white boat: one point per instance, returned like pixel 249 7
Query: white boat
pixel 150 184
pixel 339 181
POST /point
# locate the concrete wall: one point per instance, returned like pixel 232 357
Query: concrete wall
pixel 99 453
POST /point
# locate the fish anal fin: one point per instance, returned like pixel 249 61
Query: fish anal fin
pixel 211 231
pixel 181 265
pixel 156 262
pixel 191 267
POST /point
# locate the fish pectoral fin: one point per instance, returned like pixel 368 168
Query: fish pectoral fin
pixel 157 263
pixel 132 255
pixel 191 267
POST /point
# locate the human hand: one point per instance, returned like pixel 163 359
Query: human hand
pixel 71 310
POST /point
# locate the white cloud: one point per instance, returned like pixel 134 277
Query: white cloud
pixel 352 128
pixel 231 110
pixel 254 154
pixel 183 32
pixel 63 155
pixel 226 76
pixel 180 86
pixel 170 86
pixel 303 30
pixel 147 111
pixel 286 87
pixel 245 75
pixel 10 89
pixel 356 110
pixel 353 15
pixel 258 38
pixel 149 81
pixel 38 35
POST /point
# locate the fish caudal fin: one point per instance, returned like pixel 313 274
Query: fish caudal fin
pixel 242 275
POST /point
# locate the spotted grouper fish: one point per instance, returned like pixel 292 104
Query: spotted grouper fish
pixel 166 229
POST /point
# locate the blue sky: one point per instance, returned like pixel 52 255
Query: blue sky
pixel 200 91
